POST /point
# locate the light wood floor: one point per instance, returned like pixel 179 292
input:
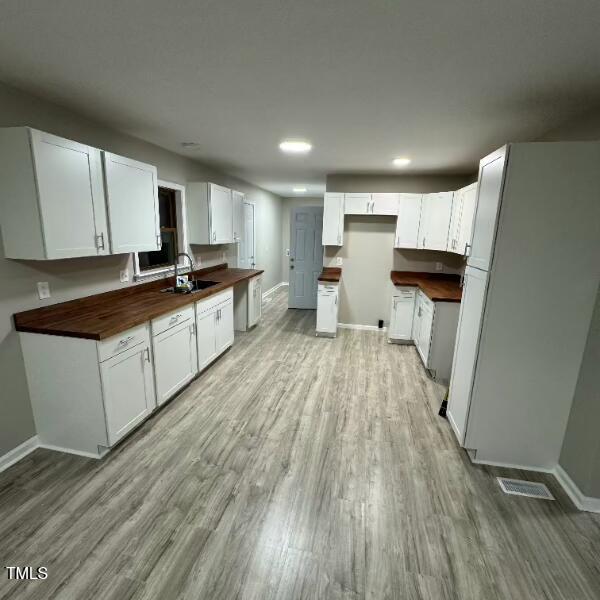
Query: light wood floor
pixel 295 467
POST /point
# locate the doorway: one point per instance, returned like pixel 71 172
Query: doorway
pixel 306 255
pixel 247 245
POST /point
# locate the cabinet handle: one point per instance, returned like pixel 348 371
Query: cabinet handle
pixel 100 241
pixel 125 341
pixel 214 237
pixel 468 249
pixel 336 298
pixel 193 328
pixel 147 353
pixel 423 242
pixel 158 241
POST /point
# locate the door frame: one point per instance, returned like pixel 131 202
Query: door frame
pixel 242 240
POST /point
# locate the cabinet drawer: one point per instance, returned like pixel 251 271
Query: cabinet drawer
pixel 124 341
pixel 405 293
pixel 211 303
pixel 171 319
pixel 329 288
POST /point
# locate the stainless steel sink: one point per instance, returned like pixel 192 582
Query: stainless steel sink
pixel 197 286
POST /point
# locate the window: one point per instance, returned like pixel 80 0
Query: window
pixel 171 201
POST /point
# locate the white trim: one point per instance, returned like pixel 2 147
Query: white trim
pixel 16 454
pixel 182 235
pixel 274 289
pixel 511 466
pixel 361 327
pixel 580 500
pixel 76 452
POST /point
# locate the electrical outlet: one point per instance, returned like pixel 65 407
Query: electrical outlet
pixel 339 261
pixel 124 276
pixel 43 288
pixel 439 266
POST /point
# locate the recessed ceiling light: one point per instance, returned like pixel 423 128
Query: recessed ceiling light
pixel 401 161
pixel 295 146
pixel 190 144
pixel 299 190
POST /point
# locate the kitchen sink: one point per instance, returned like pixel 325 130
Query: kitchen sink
pixel 197 286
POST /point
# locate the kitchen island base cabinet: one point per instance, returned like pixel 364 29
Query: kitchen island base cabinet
pixel 327 309
pixel 87 395
pixel 214 321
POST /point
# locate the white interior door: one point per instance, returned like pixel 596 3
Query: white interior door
pixel 306 256
pixel 247 245
pixel 465 351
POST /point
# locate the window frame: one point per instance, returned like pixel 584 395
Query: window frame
pixel 183 265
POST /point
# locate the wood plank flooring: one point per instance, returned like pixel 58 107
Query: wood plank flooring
pixel 295 467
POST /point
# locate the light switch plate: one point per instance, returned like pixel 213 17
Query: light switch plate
pixel 124 276
pixel 43 290
pixel 439 266
pixel 339 261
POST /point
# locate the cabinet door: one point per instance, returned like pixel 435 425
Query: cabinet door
pixel 416 326
pixel 221 214
pixel 327 311
pixel 224 321
pixel 128 390
pixel 435 221
pixel 333 220
pixel 237 201
pixel 357 204
pixel 491 177
pixel 206 336
pixel 407 225
pixel 254 301
pixel 384 204
pixel 469 199
pixel 466 349
pixel 132 200
pixel 401 322
pixel 425 332
pixel 455 219
pixel 71 196
pixel 175 359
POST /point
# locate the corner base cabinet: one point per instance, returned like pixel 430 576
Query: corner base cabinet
pixel 87 395
pixel 327 309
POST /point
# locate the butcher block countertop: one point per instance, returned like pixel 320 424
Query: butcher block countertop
pixel 439 287
pixel 331 274
pixel 104 315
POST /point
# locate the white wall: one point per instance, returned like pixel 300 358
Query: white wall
pixel 74 278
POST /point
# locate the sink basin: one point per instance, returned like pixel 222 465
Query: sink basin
pixel 197 286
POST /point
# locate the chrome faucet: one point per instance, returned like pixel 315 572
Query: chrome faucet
pixel 175 264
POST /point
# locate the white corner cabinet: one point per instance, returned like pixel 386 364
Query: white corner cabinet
pixel 175 352
pixel 333 219
pixel 214 322
pixel 57 192
pixel 327 309
pixel 434 224
pixel 87 395
pixel 210 214
pixel 431 326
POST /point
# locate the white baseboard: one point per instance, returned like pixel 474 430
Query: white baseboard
pixel 75 452
pixel 361 327
pixel 492 463
pixel 580 500
pixel 16 454
pixel 274 289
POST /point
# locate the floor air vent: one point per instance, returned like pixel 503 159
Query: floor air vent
pixel 531 489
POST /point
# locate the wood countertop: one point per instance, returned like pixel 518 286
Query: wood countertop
pixel 331 274
pixel 439 287
pixel 104 315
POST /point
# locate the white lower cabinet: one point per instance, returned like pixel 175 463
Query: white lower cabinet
pixel 214 320
pixel 403 308
pixel 422 327
pixel 254 300
pixel 175 352
pixel 327 309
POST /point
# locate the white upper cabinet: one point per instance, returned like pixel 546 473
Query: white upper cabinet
pixel 435 221
pixel 407 225
pixel 384 204
pixel 237 200
pixel 132 202
pixel 357 204
pixel 333 220
pixel 210 214
pixel 454 231
pixel 461 221
pixel 52 203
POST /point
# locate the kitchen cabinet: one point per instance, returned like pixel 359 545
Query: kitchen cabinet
pixel 333 219
pixel 409 217
pixel 210 214
pixel 214 320
pixel 52 203
pixel 132 203
pixel 357 204
pixel 254 300
pixel 422 326
pixel 384 204
pixel 175 352
pixel 86 395
pixel 401 319
pixel 327 309
pixel 237 199
pixel 461 220
pixel 434 224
